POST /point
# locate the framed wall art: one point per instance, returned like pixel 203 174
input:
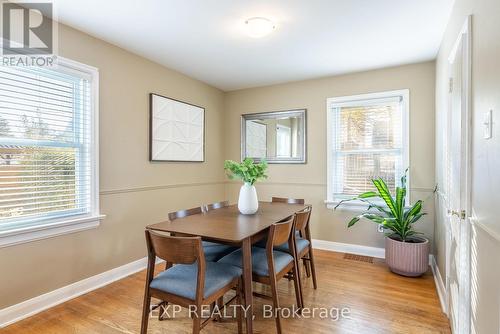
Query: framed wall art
pixel 176 130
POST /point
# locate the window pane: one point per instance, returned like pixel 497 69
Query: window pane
pixel 354 172
pixel 45 141
pixel 369 127
pixel 283 141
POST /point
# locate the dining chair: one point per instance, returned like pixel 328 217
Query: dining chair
pixel 191 282
pixel 213 250
pixel 303 244
pixel 303 237
pixel 287 200
pixel 184 213
pixel 216 205
pixel 270 265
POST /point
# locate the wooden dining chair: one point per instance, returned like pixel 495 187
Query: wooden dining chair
pixel 303 237
pixel 215 206
pixel 303 243
pixel 213 250
pixel 191 281
pixel 270 265
pixel 287 200
pixel 184 213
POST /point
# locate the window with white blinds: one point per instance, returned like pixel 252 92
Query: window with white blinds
pixel 48 144
pixel 367 139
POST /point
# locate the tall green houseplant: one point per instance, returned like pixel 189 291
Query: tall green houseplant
pixel 394 215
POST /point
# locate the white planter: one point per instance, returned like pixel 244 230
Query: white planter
pixel 248 203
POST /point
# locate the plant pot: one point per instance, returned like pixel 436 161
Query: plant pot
pixel 248 204
pixel 407 258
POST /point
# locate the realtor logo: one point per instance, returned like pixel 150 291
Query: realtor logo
pixel 27 28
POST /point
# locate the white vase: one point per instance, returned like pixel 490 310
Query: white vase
pixel 248 203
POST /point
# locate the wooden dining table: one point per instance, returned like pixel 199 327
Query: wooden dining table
pixel 228 226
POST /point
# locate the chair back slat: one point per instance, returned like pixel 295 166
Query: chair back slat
pixel 184 213
pixel 217 205
pixel 287 200
pixel 281 232
pixel 302 218
pixel 176 250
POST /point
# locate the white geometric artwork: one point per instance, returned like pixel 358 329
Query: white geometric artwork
pixel 176 130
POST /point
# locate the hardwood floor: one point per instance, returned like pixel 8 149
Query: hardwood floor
pixel 379 302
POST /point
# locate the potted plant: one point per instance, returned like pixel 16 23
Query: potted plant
pixel 406 250
pixel 249 172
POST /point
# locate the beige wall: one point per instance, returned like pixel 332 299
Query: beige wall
pixel 309 180
pixel 485 262
pixel 135 192
pixel 126 80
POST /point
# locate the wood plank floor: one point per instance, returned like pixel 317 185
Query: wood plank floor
pixel 379 302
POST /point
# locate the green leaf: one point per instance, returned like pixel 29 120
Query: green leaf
pixel 353 221
pixel 415 209
pixel 368 194
pixel 400 200
pixel 385 194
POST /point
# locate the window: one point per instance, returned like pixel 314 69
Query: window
pixel 48 151
pixel 367 139
pixel 283 141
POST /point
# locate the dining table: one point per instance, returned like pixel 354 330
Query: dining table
pixel 228 226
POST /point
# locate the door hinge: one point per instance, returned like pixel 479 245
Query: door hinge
pixel 450 87
pixel 460 214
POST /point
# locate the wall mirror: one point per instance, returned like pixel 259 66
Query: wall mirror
pixel 278 136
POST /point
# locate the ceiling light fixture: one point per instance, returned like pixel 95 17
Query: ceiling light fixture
pixel 258 27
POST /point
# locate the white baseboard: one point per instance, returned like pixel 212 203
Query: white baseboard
pixel 438 280
pixel 353 249
pixel 40 303
pixel 349 248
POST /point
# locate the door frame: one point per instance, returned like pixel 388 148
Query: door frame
pixel 464 303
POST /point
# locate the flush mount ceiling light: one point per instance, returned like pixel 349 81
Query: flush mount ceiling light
pixel 258 27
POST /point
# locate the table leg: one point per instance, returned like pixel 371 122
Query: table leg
pixel 247 282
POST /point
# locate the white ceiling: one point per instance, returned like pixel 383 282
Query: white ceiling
pixel 205 39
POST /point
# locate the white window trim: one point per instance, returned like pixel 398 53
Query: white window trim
pixel 405 93
pixel 60 226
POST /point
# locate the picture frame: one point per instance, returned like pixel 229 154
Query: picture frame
pixel 176 130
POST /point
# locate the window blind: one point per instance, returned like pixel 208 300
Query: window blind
pixel 367 143
pixel 45 138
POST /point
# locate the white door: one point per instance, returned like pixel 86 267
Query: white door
pixel 458 189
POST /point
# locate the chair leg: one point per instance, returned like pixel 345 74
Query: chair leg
pixel 220 307
pixel 298 287
pixel 276 304
pixel 239 292
pixel 145 312
pixel 161 306
pixel 306 265
pixel 196 320
pixel 313 268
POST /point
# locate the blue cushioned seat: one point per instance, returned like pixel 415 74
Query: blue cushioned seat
pixel 181 279
pixel 300 242
pixel 214 251
pixel 259 260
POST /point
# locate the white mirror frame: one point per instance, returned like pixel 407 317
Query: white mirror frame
pixel 302 113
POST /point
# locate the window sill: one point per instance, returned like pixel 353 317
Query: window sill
pixel 48 230
pixel 347 206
